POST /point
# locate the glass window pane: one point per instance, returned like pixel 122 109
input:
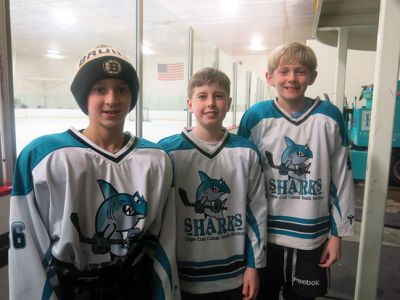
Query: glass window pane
pixel 241 93
pixel 203 54
pixel 165 72
pixel 226 65
pixel 48 39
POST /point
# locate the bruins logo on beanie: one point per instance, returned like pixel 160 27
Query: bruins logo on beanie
pixel 100 63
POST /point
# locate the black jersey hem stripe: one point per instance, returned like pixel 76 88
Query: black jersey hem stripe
pixel 196 271
pixel 212 277
pixel 302 119
pixel 114 159
pixel 298 227
pixel 212 155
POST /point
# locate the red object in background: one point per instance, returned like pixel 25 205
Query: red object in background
pixel 5 190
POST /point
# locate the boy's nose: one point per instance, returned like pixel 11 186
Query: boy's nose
pixel 291 76
pixel 111 97
pixel 210 101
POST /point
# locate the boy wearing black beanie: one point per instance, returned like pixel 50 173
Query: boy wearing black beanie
pixel 90 216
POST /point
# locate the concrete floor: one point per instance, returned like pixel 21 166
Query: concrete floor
pixel 343 273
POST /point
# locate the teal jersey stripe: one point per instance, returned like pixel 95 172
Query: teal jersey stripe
pixel 298 220
pixel 251 220
pixel 162 258
pixel 250 261
pixel 334 199
pixel 158 290
pixel 298 235
pixel 47 290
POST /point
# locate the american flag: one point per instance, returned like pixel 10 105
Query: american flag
pixel 170 71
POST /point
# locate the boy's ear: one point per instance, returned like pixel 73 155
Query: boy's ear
pixel 229 103
pixel 269 78
pixel 189 104
pixel 313 77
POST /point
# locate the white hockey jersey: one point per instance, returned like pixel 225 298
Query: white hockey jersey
pixel 307 172
pixel 221 211
pixel 77 204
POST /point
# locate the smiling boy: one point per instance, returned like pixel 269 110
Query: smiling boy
pixel 220 199
pixel 304 149
pixel 90 216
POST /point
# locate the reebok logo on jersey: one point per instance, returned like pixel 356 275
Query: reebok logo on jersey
pixel 306 281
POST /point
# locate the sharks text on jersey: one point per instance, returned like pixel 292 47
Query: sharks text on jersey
pixel 303 189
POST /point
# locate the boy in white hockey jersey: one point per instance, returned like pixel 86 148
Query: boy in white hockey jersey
pixel 220 199
pixel 90 216
pixel 304 148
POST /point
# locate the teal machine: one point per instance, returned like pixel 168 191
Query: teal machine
pixel 358 120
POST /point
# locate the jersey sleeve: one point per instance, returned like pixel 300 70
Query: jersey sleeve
pixel 244 126
pixel 256 216
pixel 341 187
pixel 29 253
pixel 165 275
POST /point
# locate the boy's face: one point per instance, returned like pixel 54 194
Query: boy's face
pixel 291 81
pixel 209 104
pixel 108 103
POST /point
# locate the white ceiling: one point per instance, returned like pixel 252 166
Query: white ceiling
pixel 277 21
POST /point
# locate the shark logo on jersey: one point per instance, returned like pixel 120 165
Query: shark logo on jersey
pixel 209 196
pixel 116 221
pixel 293 160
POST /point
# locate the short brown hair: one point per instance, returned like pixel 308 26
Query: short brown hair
pixel 209 76
pixel 292 53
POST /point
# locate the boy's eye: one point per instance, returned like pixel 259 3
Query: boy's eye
pixel 99 90
pixel 123 89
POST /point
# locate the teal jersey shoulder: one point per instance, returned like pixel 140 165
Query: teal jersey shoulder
pixel 143 143
pixel 175 142
pixel 255 114
pixel 328 109
pixel 34 153
pixel 239 141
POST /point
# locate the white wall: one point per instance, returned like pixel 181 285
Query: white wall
pixel 359 71
pixel 255 63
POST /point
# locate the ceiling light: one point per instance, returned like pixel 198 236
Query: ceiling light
pixel 256 43
pixel 52 53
